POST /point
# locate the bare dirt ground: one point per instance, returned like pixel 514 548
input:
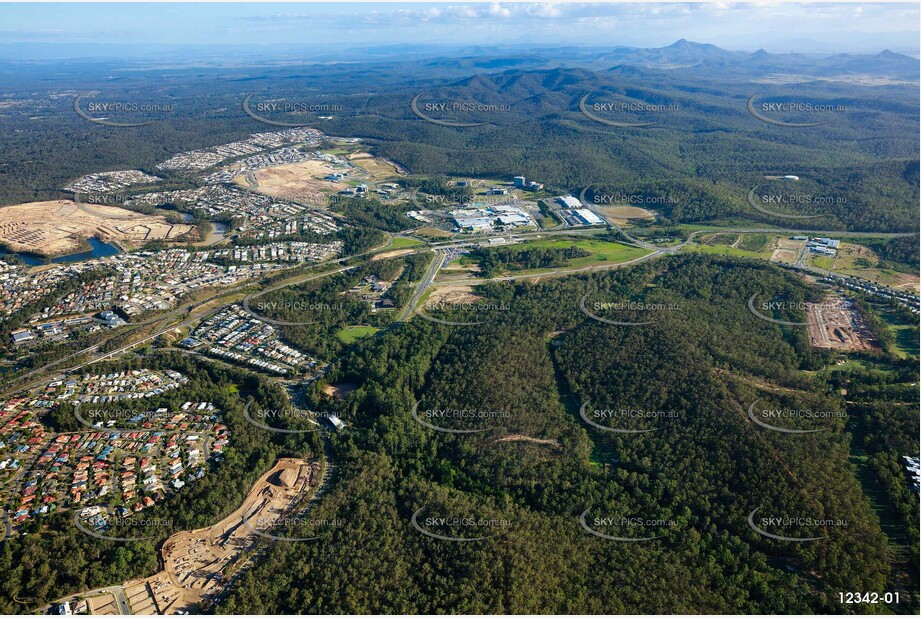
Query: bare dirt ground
pixel 835 324
pixel 378 168
pixel 621 215
pixel 103 605
pixel 300 182
pixel 391 254
pixel 786 250
pixel 456 270
pixel 196 561
pixel 60 227
pixel 340 390
pixel 909 282
pixel 758 383
pixel 862 261
pixel 517 437
pixel 433 232
pixel 452 295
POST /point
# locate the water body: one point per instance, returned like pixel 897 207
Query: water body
pixel 97 249
pixel 216 234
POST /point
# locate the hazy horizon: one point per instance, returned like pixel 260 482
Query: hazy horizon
pixel 72 30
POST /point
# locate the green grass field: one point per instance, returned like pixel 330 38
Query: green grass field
pixel 402 243
pixel 750 245
pixel 351 334
pixel 725 250
pixel 755 242
pixel 906 343
pixel 548 222
pixel 822 261
pixel 432 232
pixel 600 251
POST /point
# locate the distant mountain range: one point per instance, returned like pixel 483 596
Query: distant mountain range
pixel 693 57
pixel 683 55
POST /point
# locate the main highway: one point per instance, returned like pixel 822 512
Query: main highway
pixel 187 316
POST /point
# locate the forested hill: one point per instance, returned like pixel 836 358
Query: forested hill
pixel 691 476
pixel 705 150
pixel 702 153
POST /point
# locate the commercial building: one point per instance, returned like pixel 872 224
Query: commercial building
pixel 568 201
pixel 587 217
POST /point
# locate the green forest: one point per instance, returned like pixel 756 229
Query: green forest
pixel 537 466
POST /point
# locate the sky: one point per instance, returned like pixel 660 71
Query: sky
pixel 803 27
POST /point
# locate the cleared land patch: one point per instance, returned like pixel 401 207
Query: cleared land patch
pixel 836 325
pixel 862 261
pixel 302 182
pixel 60 227
pixel 786 249
pixel 600 252
pixel 621 215
pixel 196 561
pixel 351 334
pixel 391 254
pixel 378 168
pixel 452 295
pixel 340 390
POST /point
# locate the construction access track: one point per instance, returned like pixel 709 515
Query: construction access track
pixel 199 564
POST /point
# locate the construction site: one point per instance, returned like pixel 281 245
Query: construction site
pixel 835 324
pixel 61 227
pixel 197 564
